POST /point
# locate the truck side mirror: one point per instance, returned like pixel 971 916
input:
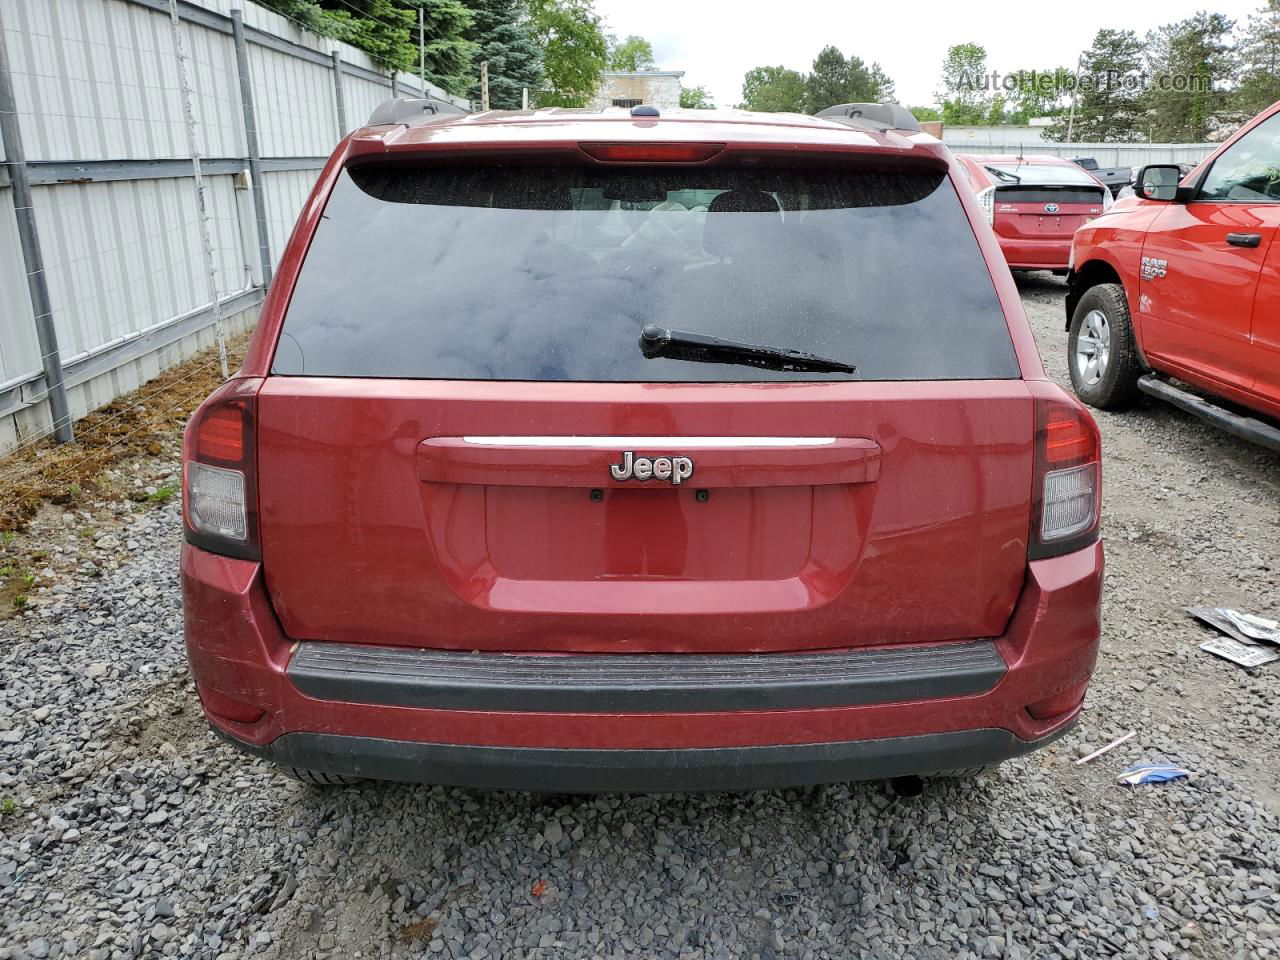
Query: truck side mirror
pixel 1159 181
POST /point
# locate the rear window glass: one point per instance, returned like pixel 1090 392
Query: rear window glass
pixel 550 273
pixel 1040 173
pixel 1017 193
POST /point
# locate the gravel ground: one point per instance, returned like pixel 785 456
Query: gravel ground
pixel 126 830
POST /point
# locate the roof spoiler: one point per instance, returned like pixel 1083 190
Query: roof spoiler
pixel 412 111
pixel 880 116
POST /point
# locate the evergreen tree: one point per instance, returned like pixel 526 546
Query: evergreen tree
pixel 883 86
pixel 1260 61
pixel 1109 99
pixel 503 35
pixel 836 79
pixel 1193 66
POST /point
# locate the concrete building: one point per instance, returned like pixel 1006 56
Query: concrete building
pixel 661 88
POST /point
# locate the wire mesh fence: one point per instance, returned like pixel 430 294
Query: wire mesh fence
pixel 108 223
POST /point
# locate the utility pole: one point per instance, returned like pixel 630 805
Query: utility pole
pixel 1075 87
pixel 422 51
pixel 524 98
pixel 484 84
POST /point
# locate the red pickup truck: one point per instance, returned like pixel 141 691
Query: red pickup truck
pixel 1183 282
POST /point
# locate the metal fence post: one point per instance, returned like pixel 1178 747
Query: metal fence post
pixel 202 208
pixel 251 142
pixel 340 99
pixel 37 283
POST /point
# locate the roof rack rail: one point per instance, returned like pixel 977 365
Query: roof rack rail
pixel 883 116
pixel 412 111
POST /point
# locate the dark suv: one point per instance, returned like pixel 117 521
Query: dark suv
pixel 589 451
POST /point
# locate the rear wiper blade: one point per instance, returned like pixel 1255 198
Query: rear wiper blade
pixel 656 342
pixel 1004 175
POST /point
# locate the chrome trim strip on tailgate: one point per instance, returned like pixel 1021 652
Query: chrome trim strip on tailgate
pixel 642 683
pixel 653 443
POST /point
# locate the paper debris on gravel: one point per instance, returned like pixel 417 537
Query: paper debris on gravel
pixel 1247 655
pixel 1258 628
pixel 1152 773
pixel 1244 627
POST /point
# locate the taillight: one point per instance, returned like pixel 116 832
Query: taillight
pixel 219 480
pixel 1068 480
pixel 987 200
pixel 651 152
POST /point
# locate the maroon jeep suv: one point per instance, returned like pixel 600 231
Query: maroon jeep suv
pixel 613 450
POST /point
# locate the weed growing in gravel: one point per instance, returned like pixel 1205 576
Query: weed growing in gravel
pixel 163 493
pixel 20 601
pixel 8 806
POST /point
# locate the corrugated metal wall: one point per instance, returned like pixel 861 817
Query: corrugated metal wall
pixel 1013 140
pixel 97 88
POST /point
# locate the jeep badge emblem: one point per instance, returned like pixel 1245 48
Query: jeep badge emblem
pixel 1050 208
pixel 672 469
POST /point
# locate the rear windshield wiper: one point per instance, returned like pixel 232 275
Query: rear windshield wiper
pixel 1004 175
pixel 656 342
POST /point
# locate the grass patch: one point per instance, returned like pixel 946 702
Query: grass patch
pixel 163 493
pixel 146 422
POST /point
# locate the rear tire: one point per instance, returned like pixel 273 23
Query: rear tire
pixel 1102 354
pixel 317 778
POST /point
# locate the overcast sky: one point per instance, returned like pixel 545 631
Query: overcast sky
pixel 716 41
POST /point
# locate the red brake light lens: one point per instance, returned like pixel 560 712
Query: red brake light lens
pixel 219 474
pixel 651 152
pixel 1068 438
pixel 220 434
pixel 1068 480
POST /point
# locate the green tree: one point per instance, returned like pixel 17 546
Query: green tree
pixel 630 54
pixel 1039 93
pixel 836 79
pixel 884 88
pixel 574 52
pixel 1109 98
pixel 503 35
pixel 773 90
pixel 1260 61
pixel 696 98
pixel 387 30
pixel 965 100
pixel 1193 66
pixel 925 113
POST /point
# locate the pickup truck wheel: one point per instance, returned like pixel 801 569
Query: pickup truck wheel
pixel 1101 352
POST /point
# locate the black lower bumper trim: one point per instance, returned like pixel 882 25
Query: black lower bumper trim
pixel 642 683
pixel 564 770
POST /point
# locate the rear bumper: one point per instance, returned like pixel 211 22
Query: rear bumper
pixel 1026 254
pixel 586 770
pixel 871 713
